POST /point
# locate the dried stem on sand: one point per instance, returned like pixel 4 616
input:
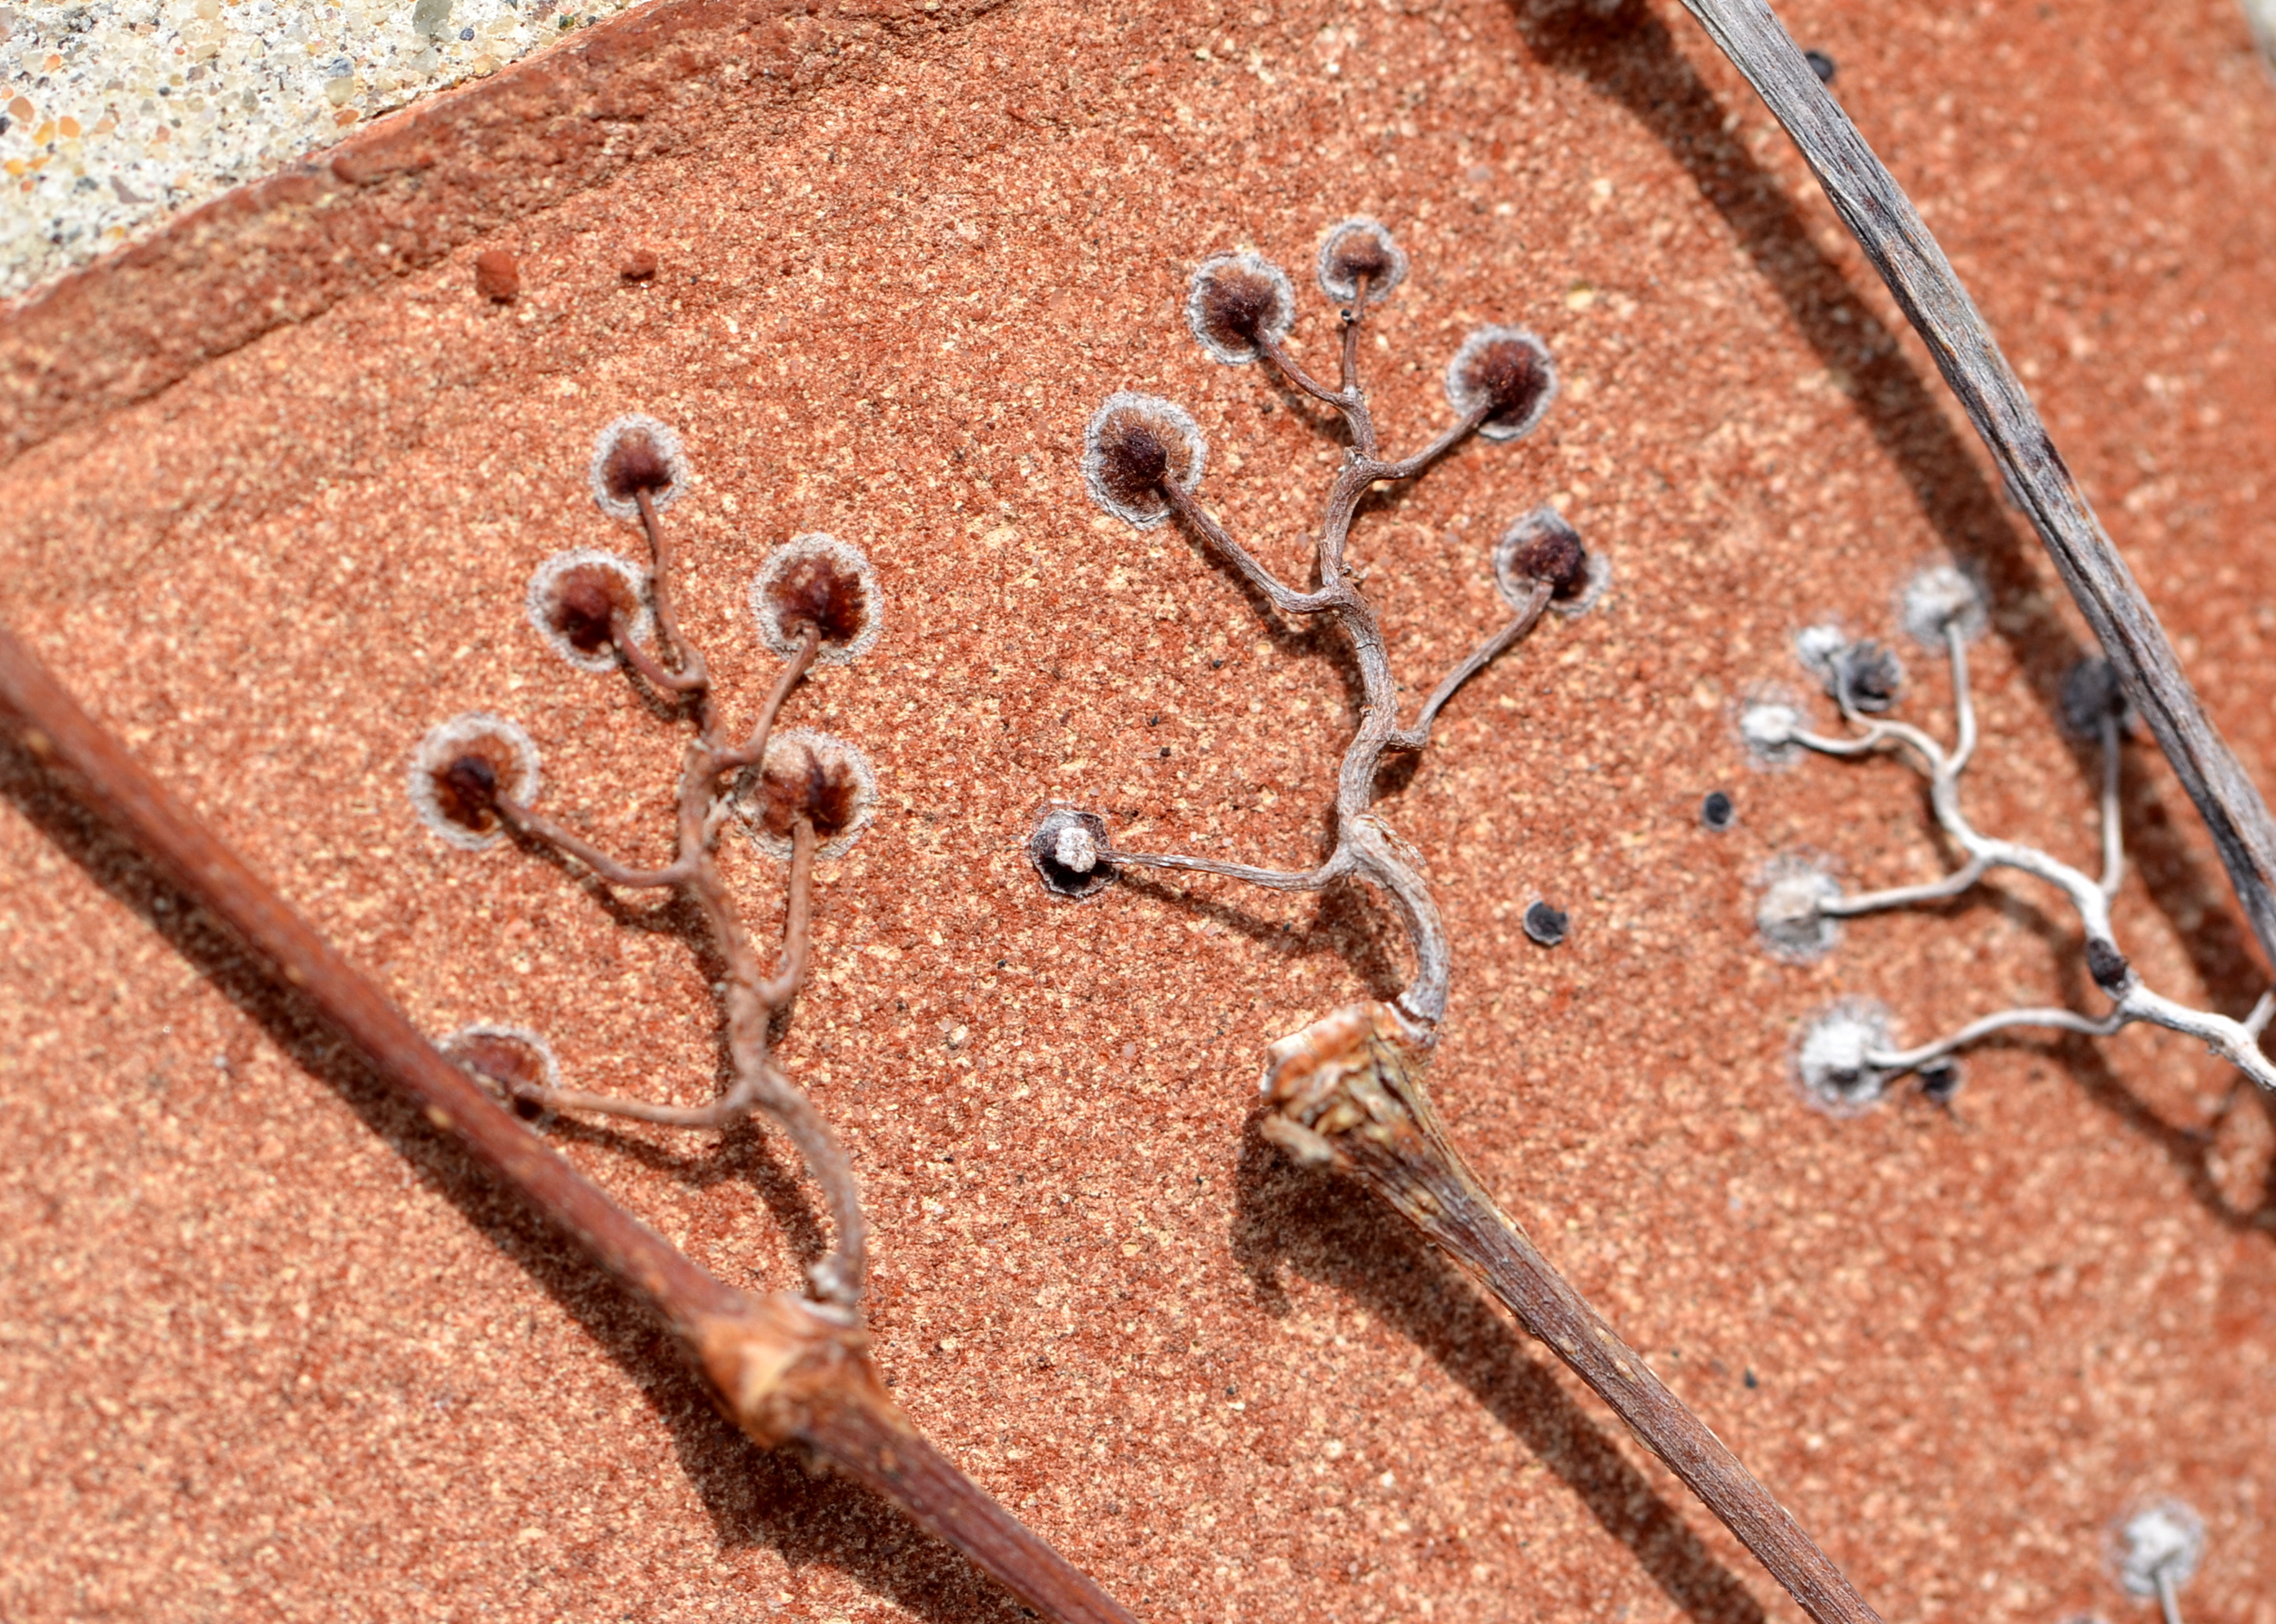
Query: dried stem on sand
pixel 1345 1092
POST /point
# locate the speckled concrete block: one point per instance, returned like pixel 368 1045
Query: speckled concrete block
pixel 118 115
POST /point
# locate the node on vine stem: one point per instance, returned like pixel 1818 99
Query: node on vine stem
pixel 635 454
pixel 511 1058
pixel 2108 965
pixel 1356 248
pixel 1830 1064
pixel 1068 847
pixel 1237 300
pixel 1507 371
pixel 1134 444
pixel 818 775
pixel 1940 1080
pixel 460 770
pixel 817 582
pixel 573 598
pixel 1793 927
pixel 1939 597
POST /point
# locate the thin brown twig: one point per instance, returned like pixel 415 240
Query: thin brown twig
pixel 636 463
pixel 1365 847
pixel 788 1370
pixel 1890 229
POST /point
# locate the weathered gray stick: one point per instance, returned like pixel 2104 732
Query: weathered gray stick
pixel 1890 231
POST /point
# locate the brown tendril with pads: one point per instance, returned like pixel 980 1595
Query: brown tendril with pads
pixel 591 604
pixel 790 1369
pixel 1345 1092
pixel 1144 457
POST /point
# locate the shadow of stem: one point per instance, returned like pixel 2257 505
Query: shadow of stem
pixel 1289 1217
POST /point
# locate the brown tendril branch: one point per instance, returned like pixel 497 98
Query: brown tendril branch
pixel 753 996
pixel 787 1370
pixel 1136 475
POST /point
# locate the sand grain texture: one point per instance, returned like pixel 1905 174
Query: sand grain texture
pixel 268 1351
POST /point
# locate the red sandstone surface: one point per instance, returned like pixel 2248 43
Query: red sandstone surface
pixel 276 481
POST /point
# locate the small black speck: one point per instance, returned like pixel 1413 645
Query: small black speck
pixel 1939 1082
pixel 1216 664
pixel 466 33
pixel 1821 64
pixel 2108 965
pixel 1717 811
pixel 1231 1391
pixel 1751 1382
pixel 1165 753
pixel 1153 721
pixel 1546 925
